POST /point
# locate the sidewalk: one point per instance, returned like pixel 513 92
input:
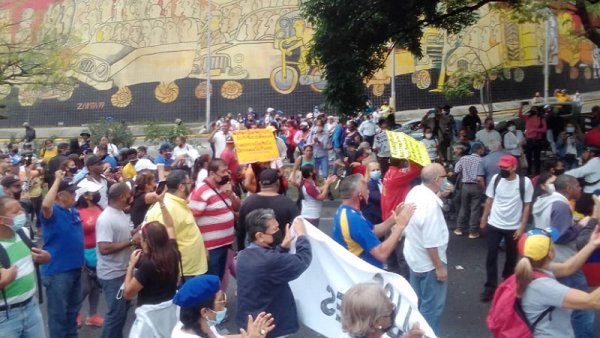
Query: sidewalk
pixel 198 129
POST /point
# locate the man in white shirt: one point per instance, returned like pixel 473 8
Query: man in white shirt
pixel 426 244
pixel 219 138
pixel 505 215
pixel 590 172
pixel 368 129
pixel 488 134
pixel 184 154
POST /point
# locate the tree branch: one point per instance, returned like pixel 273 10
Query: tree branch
pixel 591 31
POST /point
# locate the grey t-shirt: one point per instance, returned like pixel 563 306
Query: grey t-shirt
pixel 112 227
pixel 540 295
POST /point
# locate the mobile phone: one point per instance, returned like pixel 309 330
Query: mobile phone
pixel 161 187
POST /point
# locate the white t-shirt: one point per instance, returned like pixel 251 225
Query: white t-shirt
pixel 202 175
pixel 220 141
pixel 507 206
pixel 111 149
pixel 427 229
pixel 178 332
pixel 189 152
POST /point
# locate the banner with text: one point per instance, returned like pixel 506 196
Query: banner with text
pixel 255 145
pixel 405 146
pixel 320 289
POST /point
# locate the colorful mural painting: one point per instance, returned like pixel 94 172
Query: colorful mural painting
pixel 138 60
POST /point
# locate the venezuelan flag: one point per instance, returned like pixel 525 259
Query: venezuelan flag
pixel 592 269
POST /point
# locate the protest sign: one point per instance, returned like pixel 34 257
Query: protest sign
pixel 255 145
pixel 333 270
pixel 405 146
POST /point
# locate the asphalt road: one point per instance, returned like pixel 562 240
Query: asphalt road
pixel 464 315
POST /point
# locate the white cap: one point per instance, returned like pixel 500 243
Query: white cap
pixel 144 163
pixel 270 110
pixel 86 186
pixel 310 115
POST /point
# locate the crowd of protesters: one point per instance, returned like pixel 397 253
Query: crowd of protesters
pixel 172 230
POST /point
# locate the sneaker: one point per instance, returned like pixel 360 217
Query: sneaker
pixel 487 294
pixel 94 320
pixel 473 235
pixel 78 320
pixel 458 232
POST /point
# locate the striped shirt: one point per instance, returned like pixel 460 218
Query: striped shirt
pixel 24 285
pixel 213 215
pixel 467 165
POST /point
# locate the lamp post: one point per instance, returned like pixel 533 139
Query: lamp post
pixel 208 62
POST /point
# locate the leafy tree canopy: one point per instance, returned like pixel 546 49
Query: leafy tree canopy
pixel 353 38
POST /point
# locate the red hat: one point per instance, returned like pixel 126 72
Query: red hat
pixel 507 161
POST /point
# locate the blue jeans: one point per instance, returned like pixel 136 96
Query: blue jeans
pixel 63 292
pixel 581 320
pixel 23 322
pixel 322 166
pixel 217 259
pixel 115 318
pixel 432 296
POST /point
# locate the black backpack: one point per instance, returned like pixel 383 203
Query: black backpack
pixel 5 262
pixel 521 186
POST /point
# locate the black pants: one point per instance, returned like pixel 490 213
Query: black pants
pixel 494 236
pixel 470 207
pixel 397 262
pixel 533 153
pixel 370 139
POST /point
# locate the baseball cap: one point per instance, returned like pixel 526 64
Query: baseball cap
pixel 9 181
pixel 537 247
pixel 270 110
pixel 86 186
pixel 164 147
pixel 507 161
pixel 66 186
pixel 93 160
pixel 85 132
pixel 593 149
pixel 229 139
pixel 268 177
pixel 196 290
pixel 144 163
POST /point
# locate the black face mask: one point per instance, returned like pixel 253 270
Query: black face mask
pixel 73 170
pixel 17 195
pixel 504 173
pixel 96 198
pixel 490 127
pixel 277 239
pixel 224 180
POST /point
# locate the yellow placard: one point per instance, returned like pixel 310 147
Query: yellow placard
pixel 405 146
pixel 255 145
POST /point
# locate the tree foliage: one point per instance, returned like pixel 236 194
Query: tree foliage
pixel 353 38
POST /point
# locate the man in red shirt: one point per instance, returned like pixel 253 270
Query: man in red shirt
pixel 592 138
pixel 397 183
pixel 214 205
pixel 230 157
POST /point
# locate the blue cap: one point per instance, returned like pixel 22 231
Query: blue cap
pixel 165 147
pixel 197 290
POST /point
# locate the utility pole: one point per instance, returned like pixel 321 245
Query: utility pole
pixel 393 84
pixel 546 59
pixel 208 63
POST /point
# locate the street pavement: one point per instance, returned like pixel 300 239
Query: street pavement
pixel 464 315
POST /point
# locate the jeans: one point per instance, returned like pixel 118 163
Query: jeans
pixel 432 296
pixel 90 289
pixel 217 258
pixel 470 207
pixel 23 322
pixel 494 237
pixel 115 318
pixel 581 320
pixel 322 166
pixel 63 292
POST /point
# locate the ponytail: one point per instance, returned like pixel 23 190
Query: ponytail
pixel 524 275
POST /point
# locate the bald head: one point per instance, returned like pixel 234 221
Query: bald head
pixel 431 172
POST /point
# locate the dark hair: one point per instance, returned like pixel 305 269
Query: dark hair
pixel 143 148
pixel 161 252
pixel 256 221
pixel 198 165
pixel 182 138
pixel 551 163
pixel 564 181
pixel 74 146
pixel 215 164
pixel 82 201
pixel 102 147
pixel 307 170
pixel 537 189
pixel 511 123
pixel 175 178
pixel 477 146
pixel 142 179
pixel 64 164
pixel 190 316
pixel 5 201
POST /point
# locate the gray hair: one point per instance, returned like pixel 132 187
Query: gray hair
pixel 495 145
pixel 256 221
pixel 430 172
pixel 363 303
pixel 117 191
pixel 350 185
pixel 564 181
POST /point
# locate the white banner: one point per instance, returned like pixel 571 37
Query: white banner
pixel 333 270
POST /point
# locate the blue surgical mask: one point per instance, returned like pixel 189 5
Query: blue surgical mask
pixel 444 184
pixel 570 129
pixel 18 222
pixel 376 175
pixel 219 317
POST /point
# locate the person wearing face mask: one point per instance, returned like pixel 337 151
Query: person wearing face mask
pixel 13 187
pixel 164 159
pixel 354 232
pixel 214 204
pixel 265 268
pixel 554 209
pixel 204 306
pixel 505 216
pixel 372 209
pixel 535 134
pixel 569 145
pixel 488 135
pixel 189 238
pixel 432 145
pixel 513 140
pixel 63 239
pixel 113 239
pixel 301 136
pixel 367 312
pixel 311 196
pixel 87 197
pixel 19 306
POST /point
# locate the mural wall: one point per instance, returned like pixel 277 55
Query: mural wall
pixel 142 60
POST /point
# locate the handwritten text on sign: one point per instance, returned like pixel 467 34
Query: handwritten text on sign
pixel 404 146
pixel 255 145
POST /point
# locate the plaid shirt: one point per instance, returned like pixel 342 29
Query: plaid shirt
pixel 467 166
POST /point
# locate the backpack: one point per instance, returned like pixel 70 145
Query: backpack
pixel 5 261
pixel 506 318
pixel 521 186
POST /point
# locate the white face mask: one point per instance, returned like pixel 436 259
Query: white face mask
pixel 428 135
pixel 550 188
